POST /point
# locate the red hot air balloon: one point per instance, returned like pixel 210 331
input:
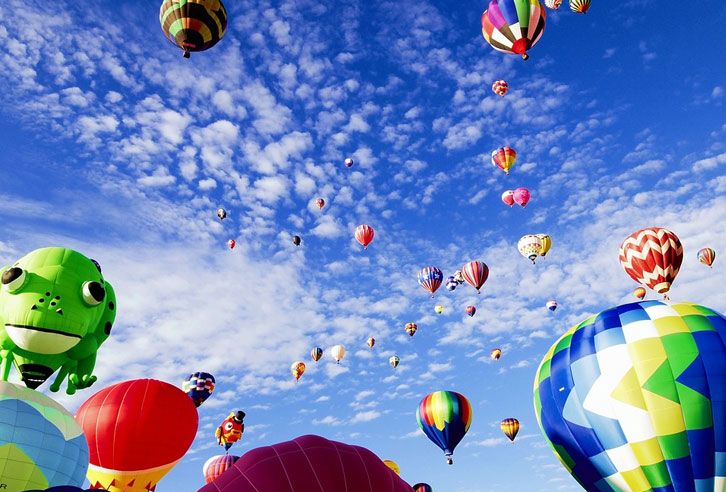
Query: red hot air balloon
pixel 500 87
pixel 296 465
pixel 231 243
pixel 652 257
pixel 136 432
pixel 475 273
pixel 508 197
pixel 216 465
pixel 320 202
pixel 364 235
pixel 521 196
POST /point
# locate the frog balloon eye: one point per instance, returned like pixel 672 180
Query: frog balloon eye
pixel 93 293
pixel 13 279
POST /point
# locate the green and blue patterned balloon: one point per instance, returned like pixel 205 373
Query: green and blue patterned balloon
pixel 634 399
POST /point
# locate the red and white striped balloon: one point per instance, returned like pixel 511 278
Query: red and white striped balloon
pixel 652 257
pixel 475 273
pixel 364 235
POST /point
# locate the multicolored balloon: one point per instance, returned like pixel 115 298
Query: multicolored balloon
pixel 230 430
pixel 459 277
pixel 510 427
pixel 136 432
pixel 393 466
pixel 445 417
pixel 652 257
pixel 296 240
pixel 530 246
pixel 496 353
pixel 349 162
pixel 216 465
pixel 297 368
pixel 42 446
pixel 513 26
pixel 580 6
pixel 422 487
pixel 193 25
pixel 221 213
pixel 316 353
pixel 508 197
pixel 411 329
pixel 521 196
pixel 639 292
pixel 364 235
pixel 451 284
pixel 706 256
pixel 438 309
pixel 320 202
pixel 546 244
pixel 198 386
pixel 394 361
pixel 551 304
pixel 470 310
pixel 634 395
pixel 475 273
pixel 337 352
pixel 504 158
pixel 430 279
pixel 231 243
pixel 500 87
pixel 553 4
pixel 370 342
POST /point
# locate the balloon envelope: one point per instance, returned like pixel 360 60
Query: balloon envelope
pixel 42 446
pixel 422 487
pixel 193 25
pixel 316 353
pixel 508 197
pixel 706 256
pixel 308 464
pixel 579 6
pixel 496 353
pixel 337 352
pixel 513 26
pixel 411 328
pixel 430 279
pixel 475 273
pixel 393 466
pixel 551 304
pixel 639 292
pixel 500 87
pixel 510 427
pixel 394 361
pixel 652 257
pixel 199 386
pixel 445 417
pixel 504 158
pixel 635 394
pixel 216 465
pixel 364 234
pixel 470 310
pixel 521 196
pixel 136 432
pixel 297 369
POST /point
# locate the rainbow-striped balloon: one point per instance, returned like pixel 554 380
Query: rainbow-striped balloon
pixel 445 417
pixel 706 256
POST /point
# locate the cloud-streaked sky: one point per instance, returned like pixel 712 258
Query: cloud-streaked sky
pixel 114 145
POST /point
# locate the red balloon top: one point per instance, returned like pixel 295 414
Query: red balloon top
pixel 137 425
pixel 308 464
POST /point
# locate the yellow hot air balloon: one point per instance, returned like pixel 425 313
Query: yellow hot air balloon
pixel 338 351
pixel 546 243
pixel 297 369
pixel 393 466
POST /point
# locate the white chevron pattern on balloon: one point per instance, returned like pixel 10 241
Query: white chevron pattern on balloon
pixel 657 245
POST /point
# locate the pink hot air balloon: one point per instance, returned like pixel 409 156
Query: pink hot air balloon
pixel 508 197
pixel 364 235
pixel 308 463
pixel 521 196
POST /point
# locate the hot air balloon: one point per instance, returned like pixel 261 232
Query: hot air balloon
pixel 470 310
pixel 371 342
pixel 580 6
pixel 438 309
pixel 500 87
pixel 349 162
pixel 296 240
pixel 422 487
pixel 393 466
pixel 193 25
pixel 444 416
pixel 136 431
pixel 652 257
pixel 394 361
pixel 42 446
pixel 230 430
pixel 475 273
pixel 430 279
pixel 496 353
pixel 513 26
pixel 510 427
pixel 231 243
pixel 459 277
pixel 411 329
pixel 639 292
pixel 320 202
pixel 706 256
pixel 221 213
pixel 216 465
pixel 451 284
pixel 508 197
pixel 364 235
pixel 530 246
pixel 521 196
pixel 297 368
pixel 553 4
pixel 644 407
pixel 316 353
pixel 337 352
pixel 308 463
pixel 551 304
pixel 199 386
pixel 504 158
pixel 546 244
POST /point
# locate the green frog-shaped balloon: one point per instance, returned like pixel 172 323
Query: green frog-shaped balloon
pixel 56 309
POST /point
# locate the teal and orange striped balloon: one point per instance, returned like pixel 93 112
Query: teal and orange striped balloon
pixel 193 25
pixel 445 417
pixel 706 256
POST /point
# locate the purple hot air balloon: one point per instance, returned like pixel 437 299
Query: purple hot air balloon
pixel 308 464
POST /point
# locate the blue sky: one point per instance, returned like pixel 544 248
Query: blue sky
pixel 116 146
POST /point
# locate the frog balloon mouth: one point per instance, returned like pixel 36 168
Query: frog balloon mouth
pixel 41 340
